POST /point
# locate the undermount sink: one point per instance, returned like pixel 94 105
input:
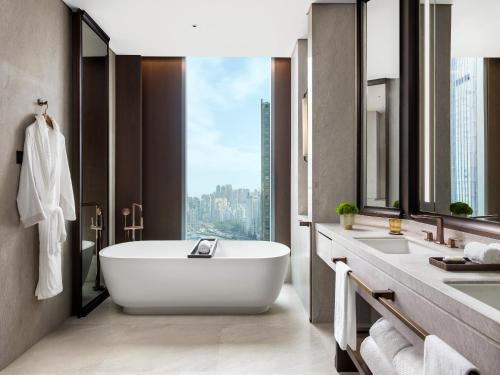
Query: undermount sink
pixel 487 292
pixel 397 246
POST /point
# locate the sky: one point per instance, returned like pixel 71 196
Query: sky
pixel 223 121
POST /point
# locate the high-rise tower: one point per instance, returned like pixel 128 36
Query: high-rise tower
pixel 265 144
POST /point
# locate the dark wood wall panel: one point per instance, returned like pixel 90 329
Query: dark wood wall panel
pixel 128 137
pixel 493 134
pixel 163 147
pixel 281 127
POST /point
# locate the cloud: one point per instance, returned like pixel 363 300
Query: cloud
pixel 218 90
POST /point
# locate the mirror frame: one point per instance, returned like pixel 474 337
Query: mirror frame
pixel 389 212
pixel 78 17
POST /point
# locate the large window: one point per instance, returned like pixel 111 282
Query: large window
pixel 228 179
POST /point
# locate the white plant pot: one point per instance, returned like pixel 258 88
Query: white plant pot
pixel 347 221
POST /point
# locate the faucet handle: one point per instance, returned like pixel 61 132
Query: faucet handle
pixel 429 235
pixel 452 243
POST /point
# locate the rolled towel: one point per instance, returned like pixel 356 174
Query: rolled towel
pixel 374 359
pixel 387 338
pixel 442 359
pixel 204 247
pixel 409 361
pixel 481 253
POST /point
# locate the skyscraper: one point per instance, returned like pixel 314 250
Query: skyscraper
pixel 265 143
pixel 467 132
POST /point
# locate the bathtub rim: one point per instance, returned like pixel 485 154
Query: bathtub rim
pixel 102 253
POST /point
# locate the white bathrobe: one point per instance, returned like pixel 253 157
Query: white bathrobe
pixel 45 198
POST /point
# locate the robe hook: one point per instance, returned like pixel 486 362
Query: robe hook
pixel 42 103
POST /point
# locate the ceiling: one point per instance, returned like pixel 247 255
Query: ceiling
pixel 224 27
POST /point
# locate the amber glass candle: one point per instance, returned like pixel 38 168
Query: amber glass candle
pixel 395 226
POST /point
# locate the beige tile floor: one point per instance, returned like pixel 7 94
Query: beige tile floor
pixel 107 341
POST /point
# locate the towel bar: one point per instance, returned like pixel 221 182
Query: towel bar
pixel 385 297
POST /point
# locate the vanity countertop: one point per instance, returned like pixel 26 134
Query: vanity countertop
pixel 415 272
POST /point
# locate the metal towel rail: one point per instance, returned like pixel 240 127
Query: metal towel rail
pixel 385 297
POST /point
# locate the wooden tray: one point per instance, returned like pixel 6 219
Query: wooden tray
pixel 467 266
pixel 194 253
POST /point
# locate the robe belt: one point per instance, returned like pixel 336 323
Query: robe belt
pixel 56 227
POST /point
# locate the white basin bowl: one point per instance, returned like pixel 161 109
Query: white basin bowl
pixel 487 292
pixel 399 245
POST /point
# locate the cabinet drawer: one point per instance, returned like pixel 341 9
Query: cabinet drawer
pixel 323 246
pixel 328 248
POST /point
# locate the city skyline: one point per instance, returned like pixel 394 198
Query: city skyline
pixel 236 213
pixel 224 213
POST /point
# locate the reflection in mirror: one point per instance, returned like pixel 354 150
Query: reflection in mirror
pixel 94 152
pixel 381 117
pixel 460 108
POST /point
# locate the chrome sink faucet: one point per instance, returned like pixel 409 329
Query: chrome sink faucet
pixel 439 228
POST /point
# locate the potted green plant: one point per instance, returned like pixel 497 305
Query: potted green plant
pixel 347 212
pixel 461 209
pixel 396 204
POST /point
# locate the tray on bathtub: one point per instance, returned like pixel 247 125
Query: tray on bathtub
pixel 194 253
pixel 467 266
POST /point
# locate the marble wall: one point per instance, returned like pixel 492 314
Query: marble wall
pixel 332 104
pixel 35 62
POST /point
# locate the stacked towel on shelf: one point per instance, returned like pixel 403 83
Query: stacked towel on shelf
pixel 388 339
pixel 374 358
pixel 408 361
pixel 442 359
pixel 482 253
pixel 345 308
pixel 394 349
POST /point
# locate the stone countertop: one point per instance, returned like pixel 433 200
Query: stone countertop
pixel 415 272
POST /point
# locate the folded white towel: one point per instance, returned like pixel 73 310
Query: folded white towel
pixel 204 247
pixel 345 308
pixel 374 359
pixel 442 359
pixel 481 253
pixel 409 361
pixel 388 339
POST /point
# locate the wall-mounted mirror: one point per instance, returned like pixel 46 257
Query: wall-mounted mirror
pixel 91 114
pixel 381 95
pixel 460 108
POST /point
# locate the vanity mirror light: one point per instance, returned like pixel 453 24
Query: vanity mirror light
pixel 459 130
pixel 305 128
pixel 379 127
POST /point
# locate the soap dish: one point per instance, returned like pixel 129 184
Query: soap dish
pixel 467 266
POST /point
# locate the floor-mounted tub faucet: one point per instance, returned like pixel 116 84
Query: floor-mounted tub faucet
pixel 131 229
pixel 97 227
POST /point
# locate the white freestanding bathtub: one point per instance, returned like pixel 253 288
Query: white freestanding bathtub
pixel 156 277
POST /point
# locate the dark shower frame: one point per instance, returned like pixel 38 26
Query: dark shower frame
pixel 78 17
